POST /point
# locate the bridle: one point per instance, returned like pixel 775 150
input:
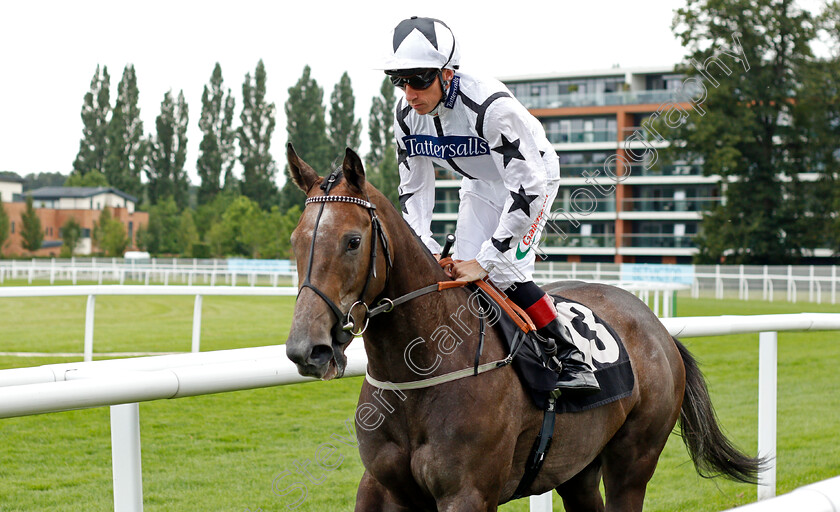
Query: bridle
pixel 342 329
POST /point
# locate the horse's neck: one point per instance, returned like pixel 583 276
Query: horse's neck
pixel 390 334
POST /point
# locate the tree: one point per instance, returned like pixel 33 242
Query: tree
pixel 71 233
pixel 208 214
pixel 31 231
pixel 95 113
pixel 278 227
pixel 307 130
pixel 91 179
pixel 381 124
pixel 34 181
pixel 110 235
pixel 187 234
pixel 162 234
pixel 817 111
pixel 165 166
pixel 4 226
pixel 257 117
pixel 745 59
pixel 381 161
pixel 216 151
pixel 127 147
pixel 237 232
pixel 344 128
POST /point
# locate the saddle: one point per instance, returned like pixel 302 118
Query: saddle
pixel 599 342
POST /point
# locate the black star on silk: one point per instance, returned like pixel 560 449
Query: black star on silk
pixel 522 201
pixel 509 149
pixel 403 200
pixel 501 245
pixel 402 157
pixel 426 26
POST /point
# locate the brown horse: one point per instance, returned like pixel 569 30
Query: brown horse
pixel 462 446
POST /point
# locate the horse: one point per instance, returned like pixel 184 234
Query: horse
pixel 463 445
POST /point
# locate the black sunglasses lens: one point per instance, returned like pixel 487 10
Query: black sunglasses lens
pixel 422 81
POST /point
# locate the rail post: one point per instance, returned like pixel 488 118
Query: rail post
pixel 196 333
pixel 89 315
pixel 767 363
pixel 541 503
pixel 126 458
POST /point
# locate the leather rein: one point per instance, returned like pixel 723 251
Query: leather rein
pixel 343 329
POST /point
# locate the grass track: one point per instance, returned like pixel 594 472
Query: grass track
pixel 223 452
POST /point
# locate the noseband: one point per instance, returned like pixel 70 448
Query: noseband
pixel 342 330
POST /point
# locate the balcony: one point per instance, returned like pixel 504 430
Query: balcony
pixel 588 241
pixel 583 203
pixel 446 205
pixel 597 170
pixel 658 241
pixel 689 204
pixel 577 137
pixel 667 170
pixel 577 170
pixel 597 99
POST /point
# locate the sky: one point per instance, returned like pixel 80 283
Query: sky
pixel 49 51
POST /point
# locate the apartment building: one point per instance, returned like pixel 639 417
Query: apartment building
pixel 610 207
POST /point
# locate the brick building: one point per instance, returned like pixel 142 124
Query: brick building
pixel 56 205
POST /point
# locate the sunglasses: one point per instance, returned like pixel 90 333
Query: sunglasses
pixel 419 81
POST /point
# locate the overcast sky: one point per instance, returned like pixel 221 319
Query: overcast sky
pixel 49 51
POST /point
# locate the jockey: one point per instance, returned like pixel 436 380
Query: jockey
pixel 476 128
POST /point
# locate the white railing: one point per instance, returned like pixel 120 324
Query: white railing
pixel 821 283
pixel 188 272
pixel 659 296
pixel 124 382
pixel 92 291
pixel 819 497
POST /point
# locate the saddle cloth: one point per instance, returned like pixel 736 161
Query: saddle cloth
pixel 600 344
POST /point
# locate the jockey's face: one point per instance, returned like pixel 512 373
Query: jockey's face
pixel 425 100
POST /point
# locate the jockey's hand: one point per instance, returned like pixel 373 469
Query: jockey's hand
pixel 468 270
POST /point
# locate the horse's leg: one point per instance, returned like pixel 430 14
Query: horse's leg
pixel 373 497
pixel 582 492
pixel 630 458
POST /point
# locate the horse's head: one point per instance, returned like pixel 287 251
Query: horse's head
pixel 335 245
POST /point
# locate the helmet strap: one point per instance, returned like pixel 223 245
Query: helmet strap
pixel 444 86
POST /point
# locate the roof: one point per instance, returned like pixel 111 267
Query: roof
pixel 596 73
pixel 59 192
pixel 8 178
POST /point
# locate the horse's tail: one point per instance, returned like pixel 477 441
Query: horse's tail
pixel 712 453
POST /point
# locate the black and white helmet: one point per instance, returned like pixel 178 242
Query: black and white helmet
pixel 422 43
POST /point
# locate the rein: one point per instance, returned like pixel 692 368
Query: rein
pixel 512 310
pixel 342 330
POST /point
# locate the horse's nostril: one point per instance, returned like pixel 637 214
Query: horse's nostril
pixel 320 355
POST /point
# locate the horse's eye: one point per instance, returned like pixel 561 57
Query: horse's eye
pixel 354 243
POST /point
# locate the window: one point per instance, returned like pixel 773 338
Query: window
pixel 130 230
pixel 13 227
pixel 85 232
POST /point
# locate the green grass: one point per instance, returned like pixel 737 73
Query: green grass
pixel 223 452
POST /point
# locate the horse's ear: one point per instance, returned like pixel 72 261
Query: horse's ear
pixel 354 171
pixel 303 175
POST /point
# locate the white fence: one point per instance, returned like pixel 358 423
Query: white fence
pixel 794 283
pixel 659 296
pixel 188 272
pixel 122 383
pixel 93 291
